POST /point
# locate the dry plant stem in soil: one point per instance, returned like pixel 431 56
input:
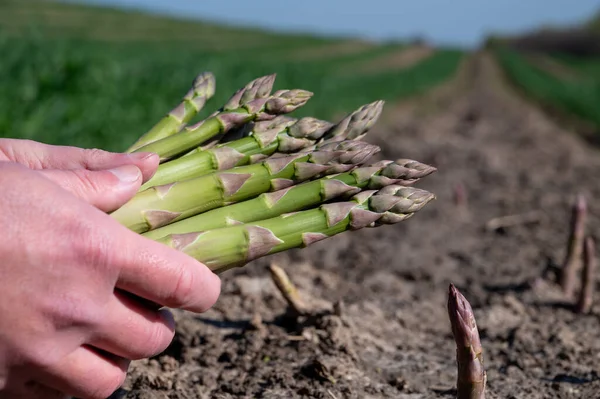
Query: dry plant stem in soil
pixel 287 289
pixel 575 247
pixel 471 379
pixel 584 304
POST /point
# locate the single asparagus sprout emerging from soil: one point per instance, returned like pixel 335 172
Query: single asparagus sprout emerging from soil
pixel 575 246
pixel 460 195
pixel 584 304
pixel 469 353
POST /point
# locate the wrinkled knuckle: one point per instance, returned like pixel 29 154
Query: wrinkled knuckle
pixel 157 341
pixel 90 247
pixel 94 155
pixel 86 182
pixel 40 354
pixel 184 292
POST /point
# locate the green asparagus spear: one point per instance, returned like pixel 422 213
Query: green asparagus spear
pixel 469 353
pixel 352 127
pixel 302 196
pixel 202 90
pixel 229 247
pixel 161 205
pixel 357 124
pixel 251 103
pixel 282 134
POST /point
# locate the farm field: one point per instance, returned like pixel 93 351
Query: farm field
pixel 485 119
pixel 113 89
pixel 392 338
pixel 568 86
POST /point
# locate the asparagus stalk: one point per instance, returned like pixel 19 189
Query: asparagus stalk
pixel 469 353
pixel 281 134
pixel 588 281
pixel 161 205
pixel 252 103
pixel 202 90
pixel 302 196
pixel 353 127
pixel 228 247
pixel 572 261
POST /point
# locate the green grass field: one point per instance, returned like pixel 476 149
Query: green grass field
pixel 586 68
pixel 579 97
pixel 63 83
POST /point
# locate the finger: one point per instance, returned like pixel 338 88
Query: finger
pixel 42 156
pixel 22 387
pixel 87 373
pixel 107 190
pixel 133 331
pixel 165 276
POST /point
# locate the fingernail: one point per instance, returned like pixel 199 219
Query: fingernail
pixel 142 156
pixel 127 173
pixel 168 318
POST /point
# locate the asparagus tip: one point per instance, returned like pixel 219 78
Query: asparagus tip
pixel 401 199
pixel 471 378
pixel 286 101
pixel 205 85
pixel 356 124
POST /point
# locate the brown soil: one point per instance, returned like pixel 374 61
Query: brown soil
pixel 402 59
pixel 391 337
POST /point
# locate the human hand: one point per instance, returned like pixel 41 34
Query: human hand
pixel 70 278
pixel 40 156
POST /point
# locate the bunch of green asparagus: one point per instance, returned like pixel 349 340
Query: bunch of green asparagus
pixel 249 181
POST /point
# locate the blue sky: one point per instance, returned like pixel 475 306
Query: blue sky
pixel 456 22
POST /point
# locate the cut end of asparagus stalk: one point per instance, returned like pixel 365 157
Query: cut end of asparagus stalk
pixel 469 353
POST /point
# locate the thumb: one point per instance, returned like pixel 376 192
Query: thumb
pixel 107 190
